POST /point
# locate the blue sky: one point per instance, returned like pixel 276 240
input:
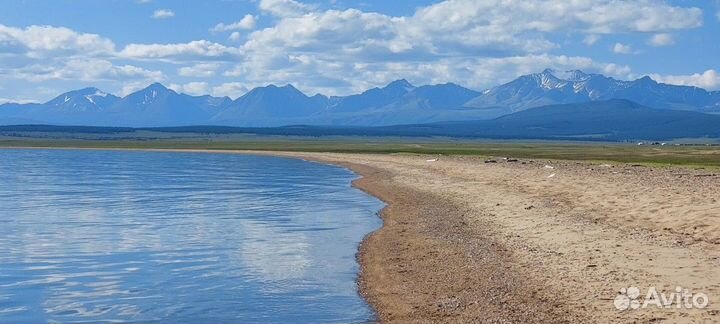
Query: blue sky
pixel 226 47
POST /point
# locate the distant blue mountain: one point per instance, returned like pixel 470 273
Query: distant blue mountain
pixel 84 100
pixel 399 102
pixel 551 87
pixel 157 105
pixel 373 98
pixel 85 106
pixel 271 106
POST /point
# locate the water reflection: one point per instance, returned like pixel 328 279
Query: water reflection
pixel 140 237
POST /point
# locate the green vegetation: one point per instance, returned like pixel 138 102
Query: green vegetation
pixel 687 155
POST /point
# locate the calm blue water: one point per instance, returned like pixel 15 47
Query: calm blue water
pixel 148 237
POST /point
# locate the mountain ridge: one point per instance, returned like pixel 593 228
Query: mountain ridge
pixel 399 102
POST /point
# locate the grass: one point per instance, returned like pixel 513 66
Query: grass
pixel 693 156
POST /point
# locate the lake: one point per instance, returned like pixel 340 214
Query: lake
pixel 170 237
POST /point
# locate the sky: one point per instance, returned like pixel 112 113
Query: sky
pixel 338 47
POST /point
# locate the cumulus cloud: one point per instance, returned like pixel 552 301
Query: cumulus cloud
pixel 709 79
pixel 594 16
pixel 284 8
pixel 661 40
pixel 247 22
pixel 197 49
pixel 621 48
pixel 37 41
pixel 163 14
pixel 85 70
pixel 460 27
pixel 200 70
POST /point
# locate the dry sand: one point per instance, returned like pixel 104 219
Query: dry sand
pixel 535 241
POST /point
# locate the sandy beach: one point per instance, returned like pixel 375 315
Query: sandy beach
pixel 526 241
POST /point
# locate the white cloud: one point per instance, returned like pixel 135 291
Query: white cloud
pixel 620 48
pixel 460 27
pixel 163 14
pixel 197 49
pixel 85 70
pixel 709 79
pixel 479 43
pixel 235 36
pixel 284 8
pixel 591 39
pixel 20 101
pixel 38 41
pixel 192 88
pixel 246 23
pixel 230 89
pixel 594 16
pixel 200 70
pixel 661 40
pixel 636 16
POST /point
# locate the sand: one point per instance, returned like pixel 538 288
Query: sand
pixel 465 241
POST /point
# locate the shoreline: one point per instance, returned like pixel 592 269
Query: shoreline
pixel 537 242
pixel 446 257
pixel 392 262
pixel 404 286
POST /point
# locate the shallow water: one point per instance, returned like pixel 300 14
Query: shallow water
pixel 159 237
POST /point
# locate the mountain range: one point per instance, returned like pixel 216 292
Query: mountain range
pixel 551 87
pixel 397 103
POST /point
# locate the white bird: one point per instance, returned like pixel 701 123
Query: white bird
pixel 432 160
pixel 549 167
pixel 552 175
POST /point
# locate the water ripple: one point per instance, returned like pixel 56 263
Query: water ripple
pixel 141 237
